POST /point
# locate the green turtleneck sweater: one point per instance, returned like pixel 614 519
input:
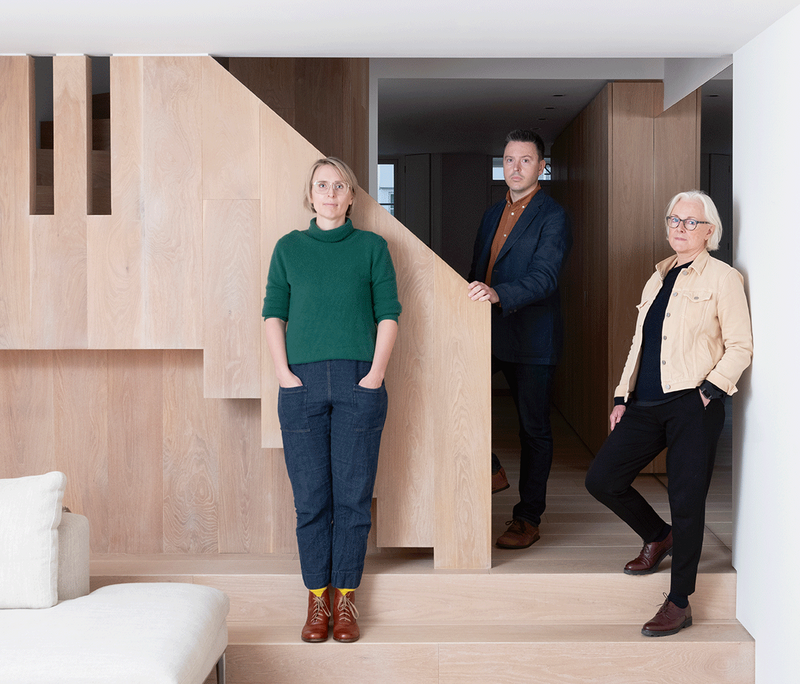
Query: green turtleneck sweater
pixel 332 287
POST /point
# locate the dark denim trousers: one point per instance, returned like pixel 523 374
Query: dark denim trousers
pixel 690 432
pixel 331 437
pixel 531 387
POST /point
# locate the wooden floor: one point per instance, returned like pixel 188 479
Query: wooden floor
pixel 561 611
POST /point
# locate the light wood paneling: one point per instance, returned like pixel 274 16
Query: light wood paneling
pixel 191 461
pixel 462 441
pixel 17 184
pixel 116 242
pixel 27 437
pixel 232 296
pixel 405 483
pixel 81 420
pixel 135 447
pixel 244 479
pixel 173 187
pixel 58 242
pixel 285 161
pixel 630 255
pixel 230 137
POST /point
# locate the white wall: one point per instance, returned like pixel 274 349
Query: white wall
pixel 766 154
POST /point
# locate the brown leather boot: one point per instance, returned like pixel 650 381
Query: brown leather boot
pixel 345 627
pixel 319 612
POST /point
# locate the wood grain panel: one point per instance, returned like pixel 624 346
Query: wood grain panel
pixel 285 161
pixel 405 484
pixel 244 478
pixel 282 516
pixel 677 162
pixel 27 437
pixel 630 257
pixel 271 79
pixel 81 425
pixel 58 242
pixel 72 82
pixel 135 445
pixel 230 137
pixel 190 459
pixel 17 183
pixel 115 243
pixel 232 296
pixel 462 420
pixel 173 192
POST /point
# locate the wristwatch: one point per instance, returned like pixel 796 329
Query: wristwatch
pixel 704 391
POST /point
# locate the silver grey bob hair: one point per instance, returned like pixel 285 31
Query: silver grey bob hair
pixel 712 215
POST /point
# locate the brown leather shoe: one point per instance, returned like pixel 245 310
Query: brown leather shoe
pixel 319 612
pixel 345 627
pixel 668 620
pixel 650 557
pixel 519 535
pixel 499 481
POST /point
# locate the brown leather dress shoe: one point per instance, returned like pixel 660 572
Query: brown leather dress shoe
pixel 345 627
pixel 319 612
pixel 519 535
pixel 650 557
pixel 668 620
pixel 499 481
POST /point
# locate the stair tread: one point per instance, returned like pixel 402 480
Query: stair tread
pixel 711 631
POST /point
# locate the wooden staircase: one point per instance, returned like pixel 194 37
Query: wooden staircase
pixel 562 611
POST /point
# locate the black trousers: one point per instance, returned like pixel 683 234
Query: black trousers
pixel 531 387
pixel 690 432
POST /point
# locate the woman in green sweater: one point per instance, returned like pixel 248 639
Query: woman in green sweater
pixel 331 313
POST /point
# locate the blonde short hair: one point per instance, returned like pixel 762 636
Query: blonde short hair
pixel 344 171
pixel 710 209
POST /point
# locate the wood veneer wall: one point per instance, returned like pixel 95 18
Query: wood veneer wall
pixel 616 167
pixel 325 100
pixel 131 353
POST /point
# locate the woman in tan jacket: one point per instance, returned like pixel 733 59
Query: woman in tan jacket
pixel 691 344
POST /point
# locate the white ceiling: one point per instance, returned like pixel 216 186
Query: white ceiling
pixel 375 28
pixel 440 113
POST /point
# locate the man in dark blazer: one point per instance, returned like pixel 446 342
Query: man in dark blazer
pixel 520 250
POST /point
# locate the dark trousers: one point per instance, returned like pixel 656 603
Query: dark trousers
pixel 331 429
pixel 690 433
pixel 531 387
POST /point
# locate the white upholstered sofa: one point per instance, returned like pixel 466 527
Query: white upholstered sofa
pixel 52 630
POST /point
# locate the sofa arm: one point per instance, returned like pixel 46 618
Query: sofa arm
pixel 73 556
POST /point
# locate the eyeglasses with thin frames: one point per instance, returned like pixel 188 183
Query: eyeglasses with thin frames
pixel 689 224
pixel 323 187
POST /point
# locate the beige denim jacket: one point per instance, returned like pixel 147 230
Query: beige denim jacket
pixel 706 330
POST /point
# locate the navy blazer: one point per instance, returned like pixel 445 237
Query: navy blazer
pixel 526 327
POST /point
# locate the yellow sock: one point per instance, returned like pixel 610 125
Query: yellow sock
pixel 319 592
pixel 346 591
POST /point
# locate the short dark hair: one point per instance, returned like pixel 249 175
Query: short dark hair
pixel 528 136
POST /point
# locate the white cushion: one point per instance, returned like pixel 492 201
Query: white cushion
pixel 159 633
pixel 30 511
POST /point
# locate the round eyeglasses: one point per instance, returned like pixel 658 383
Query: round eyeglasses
pixel 323 187
pixel 689 224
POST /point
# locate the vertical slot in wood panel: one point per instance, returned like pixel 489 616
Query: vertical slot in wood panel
pixel 17 195
pixel 232 293
pixel 173 196
pixel 42 118
pixel 99 135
